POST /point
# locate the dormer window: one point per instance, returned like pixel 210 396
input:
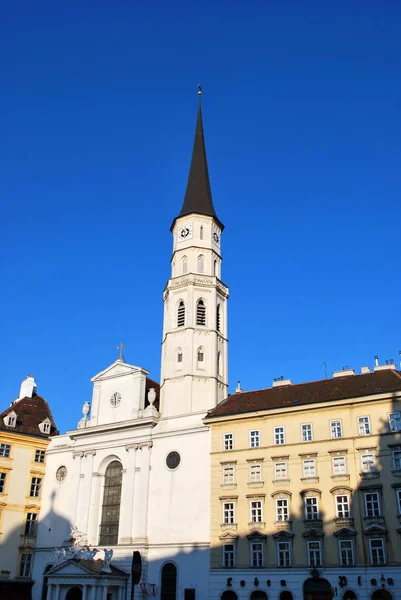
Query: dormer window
pixel 10 420
pixel 45 426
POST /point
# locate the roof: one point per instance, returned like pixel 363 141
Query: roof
pixel 30 412
pixel 313 392
pixel 198 195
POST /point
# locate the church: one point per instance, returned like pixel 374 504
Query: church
pixel 134 476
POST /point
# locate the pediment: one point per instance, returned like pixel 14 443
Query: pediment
pixel 68 567
pixel 117 369
pixel 229 537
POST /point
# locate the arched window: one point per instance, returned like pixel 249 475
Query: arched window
pixel 200 354
pixel 215 268
pixel 74 593
pixel 229 595
pixel 111 504
pixel 201 232
pixel 286 595
pixel 218 319
pixel 200 313
pixel 169 582
pixel 219 365
pixel 201 263
pixel 179 355
pixel 258 595
pixel 181 314
pixel 184 265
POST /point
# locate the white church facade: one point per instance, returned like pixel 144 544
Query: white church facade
pixel 135 474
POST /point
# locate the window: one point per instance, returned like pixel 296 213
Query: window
pixel 306 432
pixel 394 421
pixel 218 318
pixel 5 450
pixel 200 355
pixel 314 554
pixel 336 429
pixel 179 355
pixel 339 465
pixel 228 441
pixel 279 436
pixel 168 582
pixel 30 524
pixel 2 482
pixel 377 553
pixel 282 509
pixel 257 554
pixel 283 554
pixel 309 467
pixel 254 439
pixel 255 472
pixel 36 483
pixel 228 556
pixel 346 551
pixel 397 460
pixel 280 470
pixel 200 313
pixel 368 463
pixel 39 456
pixel 45 427
pixel 11 420
pixel 256 511
pixel 398 496
pixel 111 504
pixel 342 506
pixel 228 513
pixel 228 474
pixel 201 232
pixel 372 504
pixel 181 314
pixel 184 265
pixel 25 565
pixel 219 367
pixel 363 425
pixel 311 508
pixel 201 263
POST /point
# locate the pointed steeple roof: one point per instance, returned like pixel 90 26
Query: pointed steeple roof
pixel 198 195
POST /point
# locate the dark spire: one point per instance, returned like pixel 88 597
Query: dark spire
pixel 198 195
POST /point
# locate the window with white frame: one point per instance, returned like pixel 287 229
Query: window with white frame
pixel 314 554
pixel 339 465
pixel 228 556
pixel 306 432
pixel 342 506
pixel 179 355
pixel 11 420
pixel 279 437
pixel 201 263
pixel 228 441
pixel 368 463
pixel 36 483
pixel 200 313
pixel 30 524
pixel 372 504
pixel 228 513
pixel 45 427
pixel 228 474
pixel 280 470
pixel 398 496
pixel 283 554
pixel 311 504
pixel 254 438
pixel 364 425
pixel 181 314
pixel 309 467
pixel 255 472
pixel 377 551
pixel 2 482
pixel 256 511
pixel 394 421
pixel 39 456
pixel 5 450
pixel 346 551
pixel 282 512
pixel 25 564
pixel 257 554
pixel 397 460
pixel 336 429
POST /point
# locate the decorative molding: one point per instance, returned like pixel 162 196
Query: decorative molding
pixel 89 453
pixel 77 453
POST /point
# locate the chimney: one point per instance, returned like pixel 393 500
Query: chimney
pixel 28 387
pixel 365 370
pixel 389 364
pixel 281 381
pixel 238 389
pixel 346 371
pixel 376 361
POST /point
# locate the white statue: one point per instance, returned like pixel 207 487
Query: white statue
pixel 87 553
pixel 59 554
pixel 77 536
pixel 108 554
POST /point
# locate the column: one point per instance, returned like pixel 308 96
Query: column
pixel 95 504
pixel 141 494
pixel 84 497
pixel 127 495
pixel 58 589
pixel 49 594
pixel 120 593
pixel 104 595
pixel 85 592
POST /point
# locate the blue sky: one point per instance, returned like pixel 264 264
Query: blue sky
pixel 303 133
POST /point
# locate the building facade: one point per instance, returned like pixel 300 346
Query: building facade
pixel 306 489
pixel 25 428
pixel 135 474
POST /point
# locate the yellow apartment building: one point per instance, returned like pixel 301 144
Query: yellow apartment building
pixel 25 428
pixel 306 489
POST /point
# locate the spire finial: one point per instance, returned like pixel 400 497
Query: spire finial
pixel 199 93
pixel 121 348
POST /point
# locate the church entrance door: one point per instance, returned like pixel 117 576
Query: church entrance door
pixel 381 595
pixel 74 593
pixel 317 588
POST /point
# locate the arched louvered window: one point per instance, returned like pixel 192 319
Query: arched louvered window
pixel 184 265
pixel 181 314
pixel 200 313
pixel 201 263
pixel 169 582
pixel 200 355
pixel 219 365
pixel 179 355
pixel 218 318
pixel 201 232
pixel 111 504
pixel 215 268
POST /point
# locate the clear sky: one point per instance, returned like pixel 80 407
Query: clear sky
pixel 301 111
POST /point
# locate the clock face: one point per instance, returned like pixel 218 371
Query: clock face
pixel 61 474
pixel 185 233
pixel 115 399
pixel 216 238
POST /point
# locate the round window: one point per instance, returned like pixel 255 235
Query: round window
pixel 173 460
pixel 61 473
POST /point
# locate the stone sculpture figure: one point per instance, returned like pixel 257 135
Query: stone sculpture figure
pixel 108 554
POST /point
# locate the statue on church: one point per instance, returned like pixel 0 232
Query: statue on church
pixel 88 554
pixel 77 537
pixel 108 554
pixel 59 554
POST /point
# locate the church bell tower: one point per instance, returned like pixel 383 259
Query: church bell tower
pixel 194 371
